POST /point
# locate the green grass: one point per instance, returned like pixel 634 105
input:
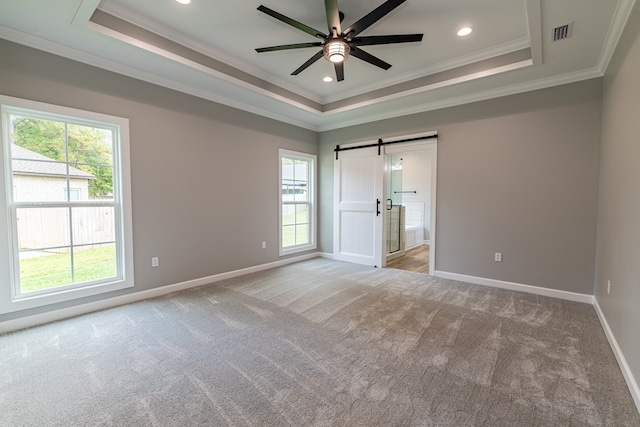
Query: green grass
pixel 51 271
pixel 289 230
pixel 289 235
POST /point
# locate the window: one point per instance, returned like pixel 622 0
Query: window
pixel 71 243
pixel 297 202
pixel 74 193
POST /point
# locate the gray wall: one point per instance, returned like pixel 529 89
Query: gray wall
pixel 619 204
pixel 517 175
pixel 204 176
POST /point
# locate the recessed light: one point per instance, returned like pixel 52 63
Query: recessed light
pixel 464 31
pixel 327 79
pixel 184 1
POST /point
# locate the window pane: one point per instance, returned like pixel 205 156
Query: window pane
pixel 38 159
pixel 91 158
pixel 89 145
pixel 288 214
pixel 41 228
pixel 302 234
pixel 37 180
pixel 44 270
pixel 301 194
pixel 288 235
pixel 94 262
pixel 301 170
pixel 101 187
pixel 93 225
pixel 302 214
pixel 74 194
pixel 42 139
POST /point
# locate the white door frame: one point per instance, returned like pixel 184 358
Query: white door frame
pixel 427 145
pixel 403 147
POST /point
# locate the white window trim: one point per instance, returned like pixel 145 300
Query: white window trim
pixel 8 259
pixel 312 200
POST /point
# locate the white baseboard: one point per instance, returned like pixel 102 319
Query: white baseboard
pixel 65 313
pixel 617 351
pixel 554 293
pixel 415 245
pixel 326 255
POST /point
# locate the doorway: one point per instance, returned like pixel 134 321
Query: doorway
pixel 410 191
pixel 364 201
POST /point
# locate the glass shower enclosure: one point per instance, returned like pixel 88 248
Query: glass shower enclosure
pixel 394 218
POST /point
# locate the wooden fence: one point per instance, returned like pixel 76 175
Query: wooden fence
pixel 50 227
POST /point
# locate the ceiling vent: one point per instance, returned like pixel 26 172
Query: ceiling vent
pixel 562 32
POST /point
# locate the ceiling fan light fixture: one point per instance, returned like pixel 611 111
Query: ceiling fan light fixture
pixel 336 51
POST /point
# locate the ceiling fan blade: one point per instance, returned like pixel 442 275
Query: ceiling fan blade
pixel 333 16
pixel 288 46
pixel 292 22
pixel 372 17
pixel 374 40
pixel 339 71
pixel 304 66
pixel 367 57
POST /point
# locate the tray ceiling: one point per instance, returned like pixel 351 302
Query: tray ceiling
pixel 208 49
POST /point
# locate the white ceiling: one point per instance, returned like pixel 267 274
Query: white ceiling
pixel 208 49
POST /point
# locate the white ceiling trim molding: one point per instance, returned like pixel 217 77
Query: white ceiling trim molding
pixel 534 21
pixel 124 31
pixel 467 99
pixel 320 126
pixel 263 94
pixel 134 18
pixel 433 86
pixel 84 12
pixel 198 63
pixel 481 55
pixel 116 67
pixel 619 21
pixel 124 14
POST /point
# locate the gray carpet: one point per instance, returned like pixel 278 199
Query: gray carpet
pixel 320 343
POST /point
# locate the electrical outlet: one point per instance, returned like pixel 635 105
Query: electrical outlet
pixel 498 257
pixel 155 261
pixel 264 245
pixel 608 287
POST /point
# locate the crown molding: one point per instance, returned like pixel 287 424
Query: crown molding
pixel 433 86
pixel 116 67
pixel 620 18
pixel 468 99
pixel 534 21
pixel 323 124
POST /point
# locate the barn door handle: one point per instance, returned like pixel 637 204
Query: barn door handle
pixel 377 207
pixel 389 204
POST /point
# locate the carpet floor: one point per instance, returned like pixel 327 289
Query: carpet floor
pixel 320 343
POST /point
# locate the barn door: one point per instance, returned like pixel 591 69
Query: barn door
pixel 358 206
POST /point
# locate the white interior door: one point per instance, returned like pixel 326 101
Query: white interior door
pixel 358 203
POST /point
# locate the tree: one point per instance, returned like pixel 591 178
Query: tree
pixel 88 149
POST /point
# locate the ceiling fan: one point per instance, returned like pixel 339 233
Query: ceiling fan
pixel 339 44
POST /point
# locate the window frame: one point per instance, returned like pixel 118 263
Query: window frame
pixel 11 299
pixel 312 159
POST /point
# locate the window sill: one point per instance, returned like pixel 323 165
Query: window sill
pixel 297 249
pixel 27 302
